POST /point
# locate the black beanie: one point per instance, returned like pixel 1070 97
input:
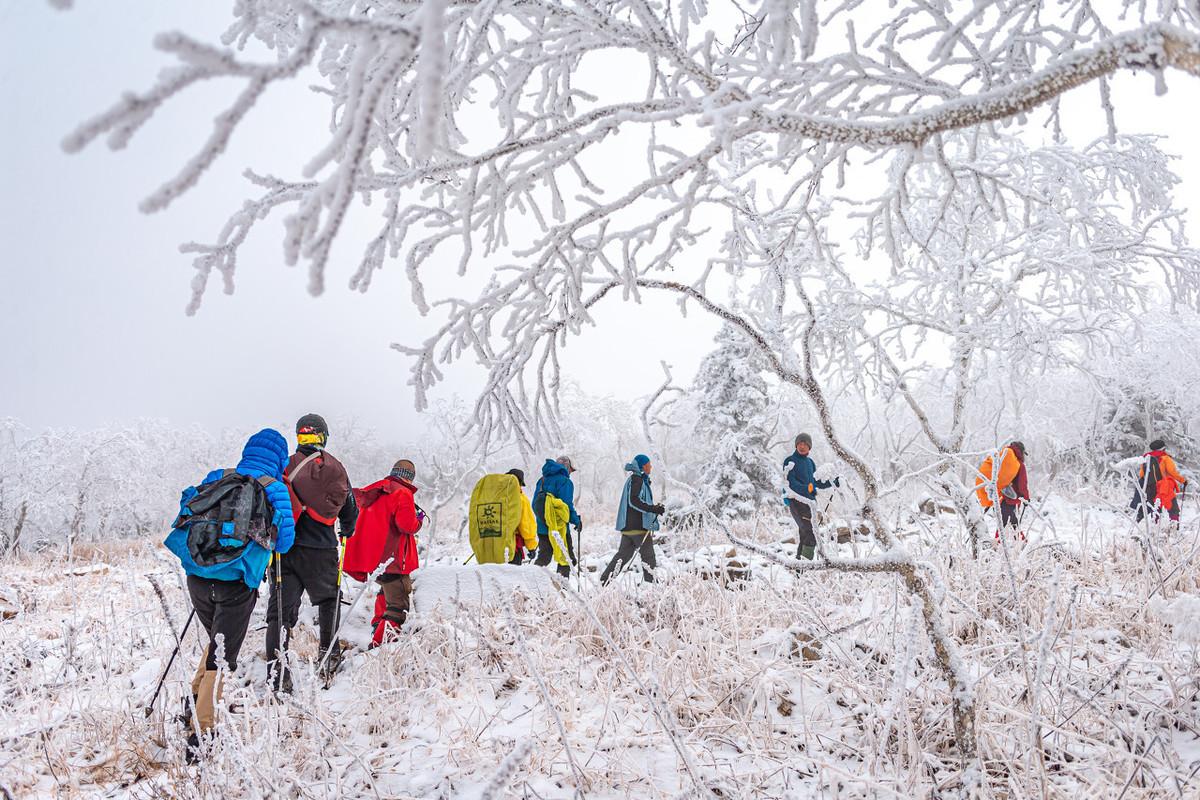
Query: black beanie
pixel 519 475
pixel 1158 444
pixel 312 423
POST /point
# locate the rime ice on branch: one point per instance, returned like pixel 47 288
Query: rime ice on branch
pixel 821 79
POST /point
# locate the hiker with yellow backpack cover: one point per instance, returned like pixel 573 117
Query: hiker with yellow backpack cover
pixel 501 519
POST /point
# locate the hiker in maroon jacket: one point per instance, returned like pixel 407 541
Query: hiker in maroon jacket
pixel 322 489
pixel 1015 494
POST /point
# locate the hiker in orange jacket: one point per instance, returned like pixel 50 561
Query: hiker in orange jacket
pixel 1010 482
pixel 1159 484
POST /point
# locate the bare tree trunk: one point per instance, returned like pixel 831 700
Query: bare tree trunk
pixel 14 541
pixel 916 578
pixel 77 519
pixel 918 583
pixel 963 501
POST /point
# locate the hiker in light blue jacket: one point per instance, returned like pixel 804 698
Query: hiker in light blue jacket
pixel 637 519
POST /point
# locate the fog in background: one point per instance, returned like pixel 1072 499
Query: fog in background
pixel 92 309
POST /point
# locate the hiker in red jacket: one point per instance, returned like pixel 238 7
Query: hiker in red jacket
pixel 388 520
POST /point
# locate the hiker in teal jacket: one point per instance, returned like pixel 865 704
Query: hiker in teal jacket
pixel 637 519
pixel 801 472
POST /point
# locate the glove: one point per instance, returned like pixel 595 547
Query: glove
pixel 658 510
pixel 420 518
pixel 579 526
pixel 837 482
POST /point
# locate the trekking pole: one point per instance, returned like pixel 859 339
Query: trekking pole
pixel 341 560
pixel 1042 515
pixel 277 561
pixel 170 661
pixel 337 617
pixel 366 585
pixel 579 558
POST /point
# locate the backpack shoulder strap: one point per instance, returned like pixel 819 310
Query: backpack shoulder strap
pixel 263 480
pixel 308 459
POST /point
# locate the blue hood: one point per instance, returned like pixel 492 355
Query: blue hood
pixel 556 480
pixel 265 453
pixel 552 467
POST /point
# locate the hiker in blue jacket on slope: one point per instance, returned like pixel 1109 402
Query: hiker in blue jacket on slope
pixel 801 472
pixel 224 567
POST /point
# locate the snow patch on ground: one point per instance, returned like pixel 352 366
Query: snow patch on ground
pixel 438 588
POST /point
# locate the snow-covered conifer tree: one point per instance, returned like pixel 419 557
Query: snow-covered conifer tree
pixel 734 423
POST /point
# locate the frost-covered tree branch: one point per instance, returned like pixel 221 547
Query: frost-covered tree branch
pixel 1154 47
pixel 403 77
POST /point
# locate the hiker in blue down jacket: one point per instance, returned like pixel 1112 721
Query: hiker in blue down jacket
pixel 224 594
pixel 555 480
pixel 265 454
pixel 637 519
pixel 802 480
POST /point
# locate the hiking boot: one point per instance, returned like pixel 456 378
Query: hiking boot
pixel 282 684
pixel 333 663
pixel 184 718
pixel 192 750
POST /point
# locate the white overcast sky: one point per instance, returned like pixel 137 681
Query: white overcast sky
pixel 91 309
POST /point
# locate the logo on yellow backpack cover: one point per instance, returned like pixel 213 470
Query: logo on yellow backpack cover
pixel 489 517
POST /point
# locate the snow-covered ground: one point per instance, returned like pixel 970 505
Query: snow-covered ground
pixel 746 681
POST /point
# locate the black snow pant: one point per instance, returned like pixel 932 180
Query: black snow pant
pixel 224 609
pixel 641 542
pixel 545 553
pixel 305 569
pixel 1153 510
pixel 1008 516
pixel 802 514
pixel 545 550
